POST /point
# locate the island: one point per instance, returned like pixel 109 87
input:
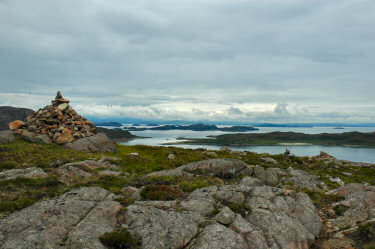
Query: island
pixel 194 127
pixel 353 139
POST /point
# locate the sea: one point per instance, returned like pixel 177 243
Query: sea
pixel 161 138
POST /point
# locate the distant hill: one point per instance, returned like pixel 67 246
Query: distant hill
pixel 9 114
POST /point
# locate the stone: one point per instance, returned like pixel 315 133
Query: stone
pixel 225 168
pixel 134 154
pixel 225 216
pixel 68 171
pixel 109 173
pixel 32 173
pixel 209 153
pixel 7 137
pixel 337 180
pixel 64 138
pixel 302 179
pixel 76 219
pixel 97 143
pixel 171 157
pixel 268 160
pixel 62 106
pixel 17 124
pixel 172 172
pixel 347 174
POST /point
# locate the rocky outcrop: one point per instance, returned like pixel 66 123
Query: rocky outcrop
pixel 260 217
pixel 359 202
pixel 76 219
pixel 302 179
pixel 9 114
pixel 32 173
pixel 6 137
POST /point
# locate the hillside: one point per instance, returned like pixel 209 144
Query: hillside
pixel 10 113
pixel 144 196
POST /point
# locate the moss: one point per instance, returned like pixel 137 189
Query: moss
pixel 125 201
pixel 214 212
pixel 121 239
pixel 242 209
pixel 340 209
pixel 161 192
pixel 199 182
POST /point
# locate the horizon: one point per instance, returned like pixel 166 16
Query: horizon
pixel 232 61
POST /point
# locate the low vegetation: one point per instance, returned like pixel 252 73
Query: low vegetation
pixel 275 138
pixel 121 239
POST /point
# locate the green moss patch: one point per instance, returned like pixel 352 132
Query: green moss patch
pixel 161 192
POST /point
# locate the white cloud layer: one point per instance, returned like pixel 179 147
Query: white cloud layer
pixel 285 61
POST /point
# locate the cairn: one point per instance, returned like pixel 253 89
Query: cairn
pixel 59 121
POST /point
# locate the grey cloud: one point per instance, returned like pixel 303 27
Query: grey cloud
pixel 147 53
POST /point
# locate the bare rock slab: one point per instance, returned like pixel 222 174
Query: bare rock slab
pixel 76 219
pixel 32 173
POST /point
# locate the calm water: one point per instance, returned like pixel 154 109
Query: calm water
pixel 157 138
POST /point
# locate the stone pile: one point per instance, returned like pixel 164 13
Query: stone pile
pixel 59 121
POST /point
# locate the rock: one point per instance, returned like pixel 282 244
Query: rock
pixel 250 181
pixel 171 157
pixel 64 138
pixel 219 237
pixel 16 125
pixel 97 143
pixel 267 177
pixel 224 168
pixel 161 229
pixel 209 153
pixel 225 216
pixel 76 219
pixel 172 172
pixel 32 173
pixel 337 180
pixel 109 173
pixel 360 200
pixel 268 160
pixel 225 149
pixel 128 191
pixel 6 137
pixel 33 137
pixel 302 179
pixel 68 171
pixel 134 154
pixel 62 106
pixel 347 174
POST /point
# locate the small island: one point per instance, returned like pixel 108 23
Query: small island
pixel 353 139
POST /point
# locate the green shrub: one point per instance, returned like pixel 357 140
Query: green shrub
pixel 161 192
pixel 340 209
pixel 199 182
pixel 242 209
pixel 121 239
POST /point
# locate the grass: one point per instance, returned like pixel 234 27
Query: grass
pixel 161 193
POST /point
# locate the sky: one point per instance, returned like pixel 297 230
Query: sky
pixel 217 60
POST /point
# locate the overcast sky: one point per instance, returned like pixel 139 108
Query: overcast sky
pixel 274 61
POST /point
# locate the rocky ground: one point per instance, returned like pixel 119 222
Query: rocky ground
pixel 165 197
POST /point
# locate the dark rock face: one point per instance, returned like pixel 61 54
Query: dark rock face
pixel 9 114
pixel 76 219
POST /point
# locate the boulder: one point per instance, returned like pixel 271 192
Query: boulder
pixel 32 173
pixel 33 137
pixel 17 124
pixel 6 137
pixel 225 168
pixel 268 160
pixel 97 143
pixel 302 179
pixel 76 219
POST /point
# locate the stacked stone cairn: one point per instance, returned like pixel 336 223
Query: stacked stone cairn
pixel 59 121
